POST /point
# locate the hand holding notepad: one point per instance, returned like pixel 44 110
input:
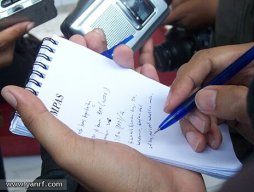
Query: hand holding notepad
pixel 98 99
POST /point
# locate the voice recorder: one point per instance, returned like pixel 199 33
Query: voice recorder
pixel 15 11
pixel 117 18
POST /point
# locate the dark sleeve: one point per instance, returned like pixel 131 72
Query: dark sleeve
pixel 17 73
pixel 234 22
pixel 244 180
pixel 51 171
pixel 251 102
pixel 2 171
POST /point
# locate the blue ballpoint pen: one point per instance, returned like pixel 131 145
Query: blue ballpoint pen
pixel 109 53
pixel 220 79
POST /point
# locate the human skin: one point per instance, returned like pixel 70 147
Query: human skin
pixel 7 41
pixel 192 14
pixel 97 164
pixel 215 104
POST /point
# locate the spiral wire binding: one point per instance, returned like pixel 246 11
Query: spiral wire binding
pixel 41 64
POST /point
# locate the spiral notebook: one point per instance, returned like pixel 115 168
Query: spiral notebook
pixel 99 99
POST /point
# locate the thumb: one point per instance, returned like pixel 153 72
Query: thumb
pixel 229 103
pixel 53 135
pixel 226 102
pixel 88 160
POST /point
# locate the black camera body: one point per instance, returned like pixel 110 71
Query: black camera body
pixel 179 47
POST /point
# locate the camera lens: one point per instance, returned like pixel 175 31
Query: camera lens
pixel 179 47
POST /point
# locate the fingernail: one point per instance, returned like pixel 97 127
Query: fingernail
pixel 29 26
pixel 167 101
pixel 9 97
pixel 211 141
pixel 197 122
pixel 100 31
pixel 208 100
pixel 192 140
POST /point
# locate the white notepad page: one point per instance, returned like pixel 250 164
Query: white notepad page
pixel 99 99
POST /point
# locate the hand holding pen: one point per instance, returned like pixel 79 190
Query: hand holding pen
pixel 227 102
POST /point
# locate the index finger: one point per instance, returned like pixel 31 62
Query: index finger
pixel 176 14
pixel 202 67
pixel 14 32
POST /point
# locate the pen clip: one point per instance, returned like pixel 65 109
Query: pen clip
pixel 109 53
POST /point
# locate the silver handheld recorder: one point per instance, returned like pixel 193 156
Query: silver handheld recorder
pixel 117 18
pixel 15 11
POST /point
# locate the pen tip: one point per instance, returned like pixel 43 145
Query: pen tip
pixel 157 131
